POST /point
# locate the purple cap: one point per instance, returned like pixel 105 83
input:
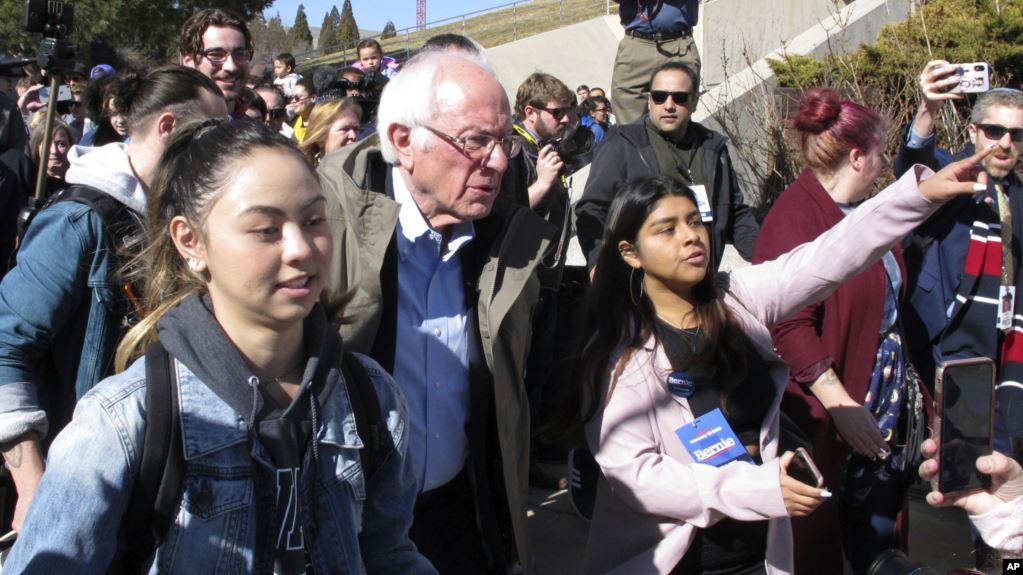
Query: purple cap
pixel 101 70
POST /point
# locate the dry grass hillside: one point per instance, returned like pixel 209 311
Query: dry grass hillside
pixel 490 28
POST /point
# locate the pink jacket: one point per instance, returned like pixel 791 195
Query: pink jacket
pixel 653 494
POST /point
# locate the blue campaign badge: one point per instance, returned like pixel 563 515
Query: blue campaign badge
pixel 710 440
pixel 680 384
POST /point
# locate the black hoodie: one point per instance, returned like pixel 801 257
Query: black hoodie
pixel 191 333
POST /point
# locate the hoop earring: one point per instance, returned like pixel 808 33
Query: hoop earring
pixel 632 296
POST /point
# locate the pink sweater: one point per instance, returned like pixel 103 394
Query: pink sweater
pixel 654 495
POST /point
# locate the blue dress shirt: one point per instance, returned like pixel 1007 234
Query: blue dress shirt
pixel 431 360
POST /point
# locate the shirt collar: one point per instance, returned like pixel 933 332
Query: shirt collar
pixel 412 225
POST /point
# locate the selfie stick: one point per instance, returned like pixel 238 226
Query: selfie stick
pixel 44 156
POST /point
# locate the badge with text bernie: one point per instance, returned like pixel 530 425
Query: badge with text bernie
pixel 710 440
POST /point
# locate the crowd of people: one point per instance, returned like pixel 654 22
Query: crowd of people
pixel 312 324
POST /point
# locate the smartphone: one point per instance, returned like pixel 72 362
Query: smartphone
pixel 802 468
pixel 965 401
pixel 973 78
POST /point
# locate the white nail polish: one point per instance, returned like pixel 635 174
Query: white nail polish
pixel 825 493
pixel 978 187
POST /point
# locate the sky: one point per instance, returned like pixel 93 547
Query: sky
pixel 373 14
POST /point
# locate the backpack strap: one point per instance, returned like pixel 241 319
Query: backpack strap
pixel 118 219
pixel 369 421
pixel 157 486
pixel 123 236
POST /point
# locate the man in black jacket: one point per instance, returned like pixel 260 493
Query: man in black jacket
pixel 666 142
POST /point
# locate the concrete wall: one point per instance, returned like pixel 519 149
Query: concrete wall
pixel 582 53
pixel 728 106
pixel 733 33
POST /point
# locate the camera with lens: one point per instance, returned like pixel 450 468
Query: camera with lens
pixel 54 20
pixel 573 147
pixel 366 91
pixel 895 562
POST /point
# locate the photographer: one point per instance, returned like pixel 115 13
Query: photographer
pixel 538 178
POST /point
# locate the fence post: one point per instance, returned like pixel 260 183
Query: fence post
pixel 408 45
pixel 515 21
pixel 561 13
pixel 463 24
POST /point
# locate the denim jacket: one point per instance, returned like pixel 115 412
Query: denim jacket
pixel 358 528
pixel 59 301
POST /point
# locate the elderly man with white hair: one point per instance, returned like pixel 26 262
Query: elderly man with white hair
pixel 440 269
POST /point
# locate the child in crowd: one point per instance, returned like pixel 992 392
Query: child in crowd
pixel 371 57
pixel 284 73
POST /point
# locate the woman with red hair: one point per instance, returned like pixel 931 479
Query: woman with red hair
pixel 847 387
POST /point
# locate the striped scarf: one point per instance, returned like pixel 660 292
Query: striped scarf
pixel 977 330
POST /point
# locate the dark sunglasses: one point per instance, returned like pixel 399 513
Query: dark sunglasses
pixel 557 113
pixel 275 113
pixel 661 96
pixel 996 132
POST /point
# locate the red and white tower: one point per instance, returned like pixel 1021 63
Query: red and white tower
pixel 420 14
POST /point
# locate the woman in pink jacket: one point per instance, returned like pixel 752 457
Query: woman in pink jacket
pixel 683 388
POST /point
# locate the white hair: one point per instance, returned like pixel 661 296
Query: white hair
pixel 410 99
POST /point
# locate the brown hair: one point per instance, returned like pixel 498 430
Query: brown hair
pixel 190 42
pixel 538 89
pixel 193 169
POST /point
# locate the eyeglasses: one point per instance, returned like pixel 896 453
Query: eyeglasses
pixel 480 146
pixel 218 56
pixel 557 113
pixel 599 110
pixel 299 97
pixel 997 132
pixel 661 96
pixel 275 113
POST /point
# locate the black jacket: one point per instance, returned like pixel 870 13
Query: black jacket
pixel 626 154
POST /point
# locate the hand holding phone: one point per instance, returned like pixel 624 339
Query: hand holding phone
pixel 801 483
pixel 964 426
pixel 974 78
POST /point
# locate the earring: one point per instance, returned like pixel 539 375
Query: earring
pixel 635 301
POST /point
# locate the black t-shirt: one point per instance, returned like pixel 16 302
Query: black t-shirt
pixel 729 547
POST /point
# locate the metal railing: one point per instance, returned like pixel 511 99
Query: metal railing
pixel 490 27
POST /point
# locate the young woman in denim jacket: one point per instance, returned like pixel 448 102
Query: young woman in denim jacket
pixel 238 254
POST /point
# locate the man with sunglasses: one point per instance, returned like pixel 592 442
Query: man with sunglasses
pixel 219 45
pixel 656 32
pixel 276 112
pixel 956 302
pixel 442 266
pixel 303 100
pixel 667 142
pixel 545 108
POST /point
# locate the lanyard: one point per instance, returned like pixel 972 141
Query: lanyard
pixel 1005 217
pixel 566 184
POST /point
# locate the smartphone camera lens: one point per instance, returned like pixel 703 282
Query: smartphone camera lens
pixel 979 68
